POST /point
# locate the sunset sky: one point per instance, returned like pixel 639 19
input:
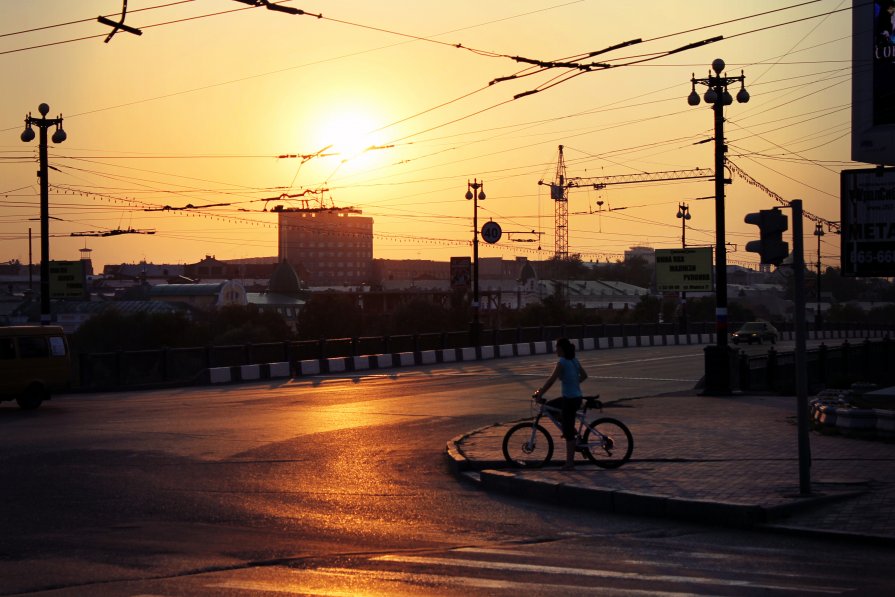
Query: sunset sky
pixel 395 98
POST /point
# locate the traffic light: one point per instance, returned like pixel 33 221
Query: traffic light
pixel 772 223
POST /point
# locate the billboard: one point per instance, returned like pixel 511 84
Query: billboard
pixel 868 222
pixel 873 82
pixel 67 280
pixel 461 272
pixel 684 270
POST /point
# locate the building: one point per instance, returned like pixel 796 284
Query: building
pixel 201 296
pixel 327 247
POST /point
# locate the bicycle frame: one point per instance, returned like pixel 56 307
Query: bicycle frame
pixel 552 413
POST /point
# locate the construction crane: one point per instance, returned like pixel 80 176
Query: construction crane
pixel 559 192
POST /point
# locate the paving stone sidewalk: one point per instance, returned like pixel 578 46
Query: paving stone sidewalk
pixel 721 460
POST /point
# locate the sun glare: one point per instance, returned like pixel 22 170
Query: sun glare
pixel 347 134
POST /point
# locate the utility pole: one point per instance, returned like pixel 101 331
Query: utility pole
pixel 717 358
pixel 43 123
pixel 473 193
pixel 818 318
pixel 798 268
pixel 683 212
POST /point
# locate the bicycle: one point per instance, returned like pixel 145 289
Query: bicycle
pixel 606 442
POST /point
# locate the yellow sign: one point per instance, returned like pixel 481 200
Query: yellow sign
pixel 684 270
pixel 67 280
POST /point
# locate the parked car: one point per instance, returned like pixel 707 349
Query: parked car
pixel 755 331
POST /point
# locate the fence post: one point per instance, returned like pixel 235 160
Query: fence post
pixel 745 381
pixel 321 348
pixel 846 348
pixel 772 368
pixel 822 363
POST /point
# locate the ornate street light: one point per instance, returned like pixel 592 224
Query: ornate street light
pixel 718 96
pixel 43 123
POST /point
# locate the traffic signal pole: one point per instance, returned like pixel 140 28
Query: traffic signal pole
pixel 798 266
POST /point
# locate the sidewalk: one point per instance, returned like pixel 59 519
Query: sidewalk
pixel 730 461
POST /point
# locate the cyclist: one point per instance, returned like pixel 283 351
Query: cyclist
pixel 570 374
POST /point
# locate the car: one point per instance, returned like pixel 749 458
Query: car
pixel 755 331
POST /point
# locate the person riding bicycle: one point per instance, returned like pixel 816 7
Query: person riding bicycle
pixel 570 373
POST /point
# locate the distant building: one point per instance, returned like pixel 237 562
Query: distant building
pixel 327 247
pixel 285 295
pixel 201 296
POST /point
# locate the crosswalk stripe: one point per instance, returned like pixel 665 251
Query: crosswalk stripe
pixel 536 568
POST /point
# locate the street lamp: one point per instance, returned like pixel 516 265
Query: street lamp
pixel 43 123
pixel 718 96
pixel 683 212
pixel 818 232
pixel 473 192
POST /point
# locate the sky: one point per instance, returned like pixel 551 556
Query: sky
pixel 392 107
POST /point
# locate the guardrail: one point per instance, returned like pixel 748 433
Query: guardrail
pixel 220 364
pixel 826 366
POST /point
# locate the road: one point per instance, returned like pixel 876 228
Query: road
pixel 337 485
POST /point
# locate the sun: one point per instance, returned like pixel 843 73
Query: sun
pixel 347 133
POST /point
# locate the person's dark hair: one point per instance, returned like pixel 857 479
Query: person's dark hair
pixel 568 349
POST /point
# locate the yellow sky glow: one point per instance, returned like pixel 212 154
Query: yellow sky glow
pixel 199 109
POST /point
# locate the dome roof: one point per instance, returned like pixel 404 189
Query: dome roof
pixel 284 280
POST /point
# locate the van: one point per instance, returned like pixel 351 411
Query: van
pixel 34 363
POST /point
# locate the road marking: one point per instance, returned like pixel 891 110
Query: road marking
pixel 536 568
pixel 356 576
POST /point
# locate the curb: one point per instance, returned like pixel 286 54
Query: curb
pixel 645 504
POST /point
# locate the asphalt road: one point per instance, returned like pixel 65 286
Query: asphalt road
pixel 337 485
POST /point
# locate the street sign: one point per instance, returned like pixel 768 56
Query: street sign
pixel 491 232
pixel 868 222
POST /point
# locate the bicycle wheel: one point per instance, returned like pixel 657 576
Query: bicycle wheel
pixel 527 445
pixel 608 443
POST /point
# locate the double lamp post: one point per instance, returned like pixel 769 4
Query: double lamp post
pixel 43 123
pixel 718 362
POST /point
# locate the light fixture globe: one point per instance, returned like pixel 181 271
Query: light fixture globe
pixel 28 134
pixel 44 109
pixel 693 98
pixel 743 96
pixel 482 196
pixel 727 98
pixel 468 195
pixel 687 216
pixel 710 96
pixel 718 65
pixel 59 136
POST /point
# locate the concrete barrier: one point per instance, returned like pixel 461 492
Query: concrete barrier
pixel 249 372
pixel 487 352
pixel 428 357
pixel 220 375
pixel 505 350
pixel 406 359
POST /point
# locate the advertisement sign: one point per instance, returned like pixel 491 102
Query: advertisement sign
pixel 873 82
pixel 684 270
pixel 67 280
pixel 868 222
pixel 461 272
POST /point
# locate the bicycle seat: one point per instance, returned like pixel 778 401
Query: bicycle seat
pixel 593 402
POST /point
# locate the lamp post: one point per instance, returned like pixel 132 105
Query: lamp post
pixel 475 190
pixel 683 212
pixel 718 96
pixel 43 123
pixel 818 232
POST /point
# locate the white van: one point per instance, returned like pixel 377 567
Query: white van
pixel 34 363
